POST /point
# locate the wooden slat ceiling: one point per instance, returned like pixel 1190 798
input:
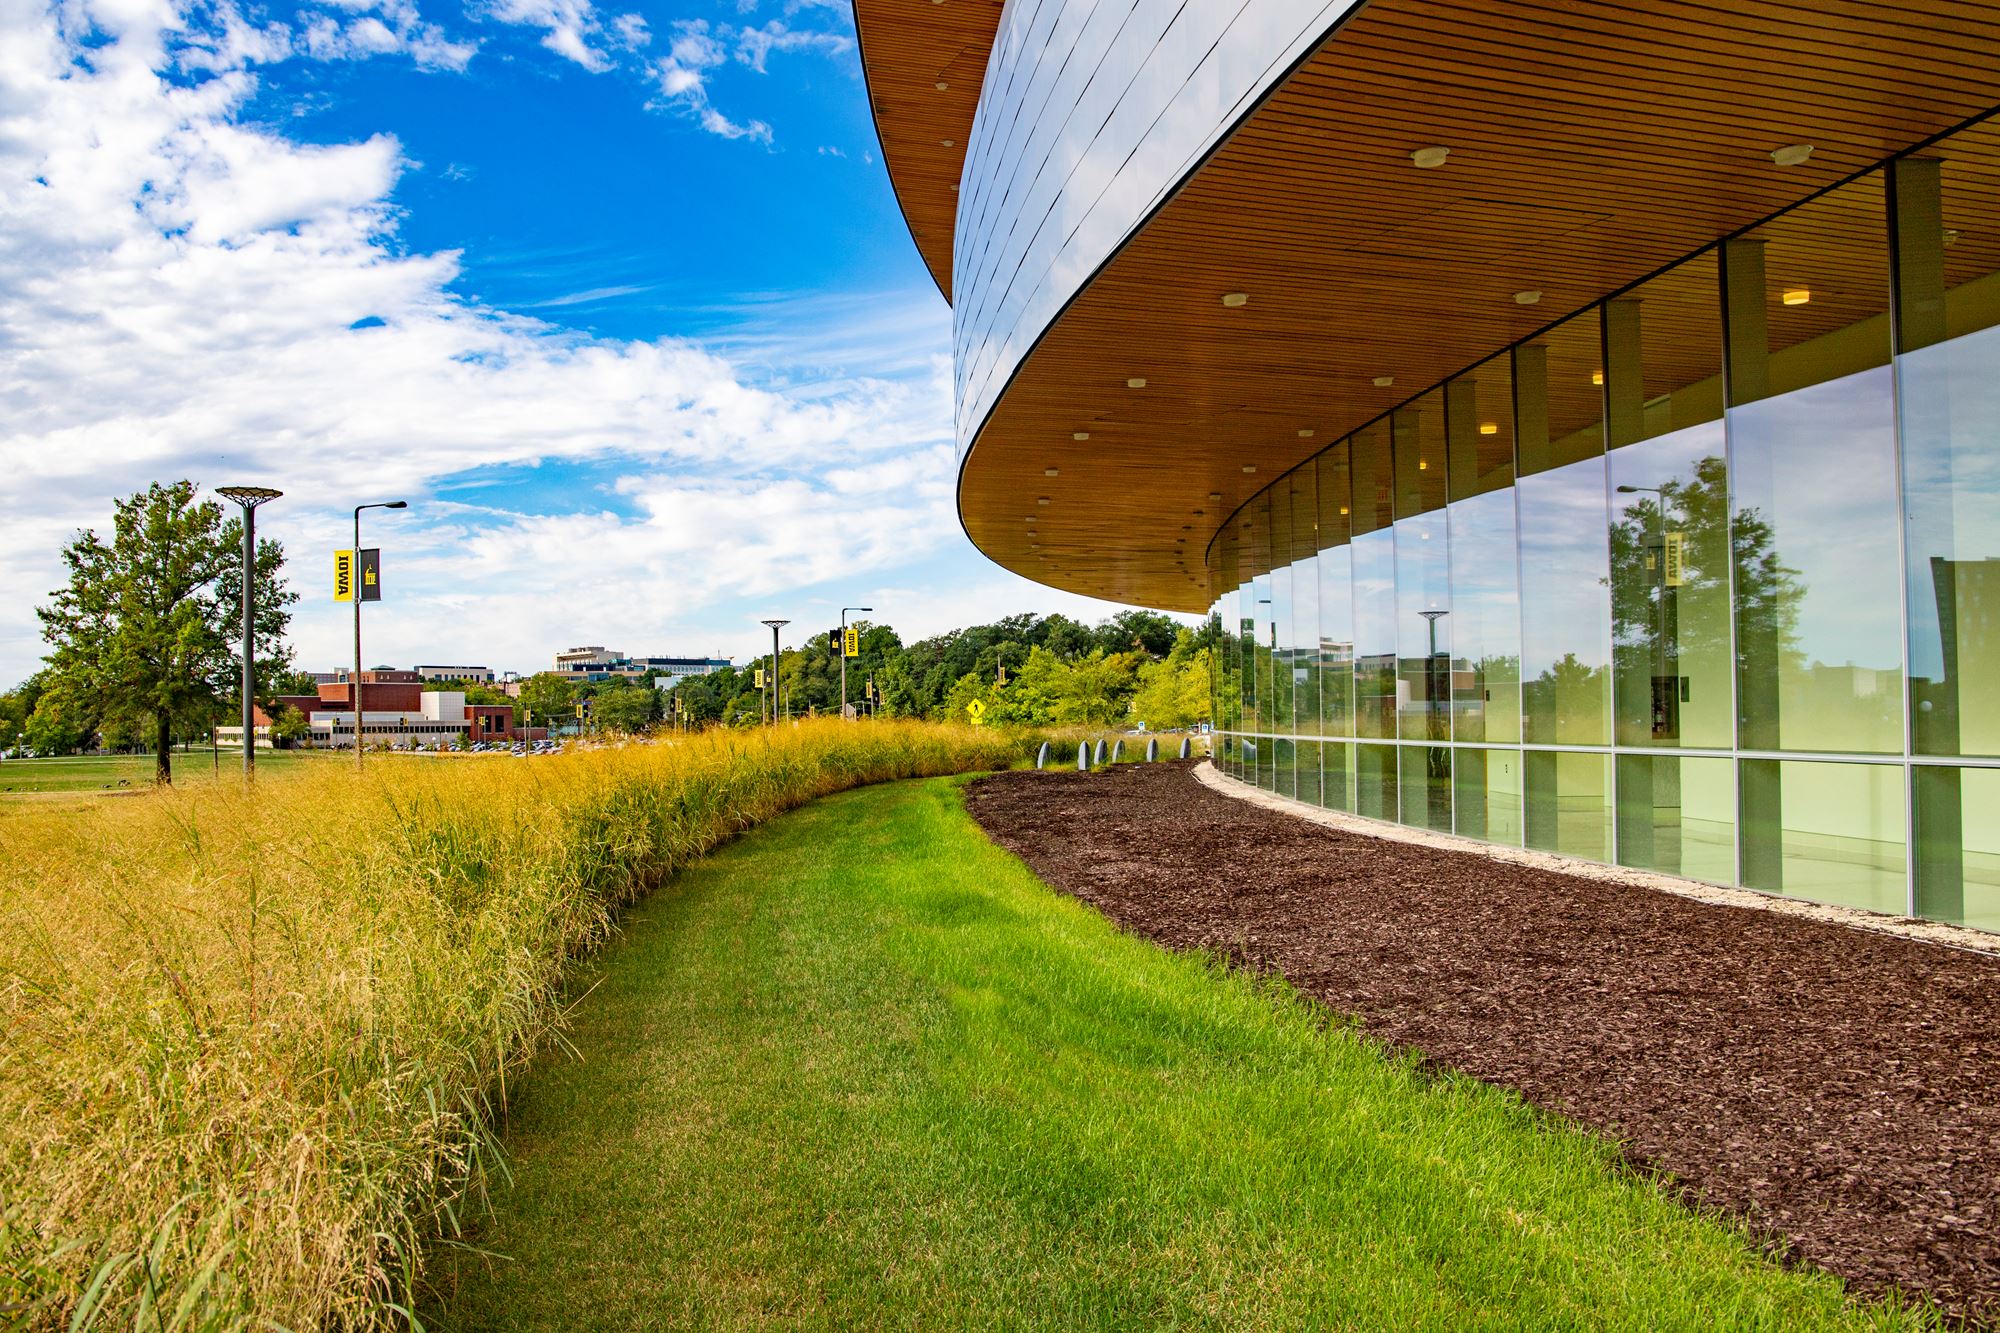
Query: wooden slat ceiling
pixel 924 61
pixel 1592 144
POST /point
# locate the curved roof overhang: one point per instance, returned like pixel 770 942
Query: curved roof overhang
pixel 1591 146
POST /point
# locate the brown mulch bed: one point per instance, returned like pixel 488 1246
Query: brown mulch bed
pixel 1837 1088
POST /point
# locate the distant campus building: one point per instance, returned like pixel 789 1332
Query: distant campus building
pixel 398 711
pixel 595 662
pixel 1578 422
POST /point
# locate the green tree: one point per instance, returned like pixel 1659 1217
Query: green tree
pixel 293 682
pixel 626 707
pixel 546 696
pixel 1174 691
pixel 146 633
pixel 52 728
pixel 288 726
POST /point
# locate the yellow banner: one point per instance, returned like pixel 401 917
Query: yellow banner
pixel 343 576
pixel 853 646
pixel 760 678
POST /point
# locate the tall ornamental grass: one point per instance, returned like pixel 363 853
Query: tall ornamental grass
pixel 254 1041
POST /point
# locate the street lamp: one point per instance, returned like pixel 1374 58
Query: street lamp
pixel 843 652
pixel 249 497
pixel 776 702
pixel 1430 663
pixel 354 694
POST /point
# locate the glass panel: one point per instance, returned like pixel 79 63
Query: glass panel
pixel 1678 816
pixel 1948 304
pixel 1565 612
pixel 1559 396
pixel 1425 795
pixel 1336 595
pixel 1958 845
pixel 1479 423
pixel 1337 777
pixel 1818 610
pixel 1418 431
pixel 1569 803
pixel 1374 556
pixel 1284 685
pixel 1285 758
pixel 1670 621
pixel 1309 772
pixel 1829 832
pixel 1486 787
pixel 1812 469
pixel 1485 620
pixel 1305 603
pixel 1375 781
pixel 1423 633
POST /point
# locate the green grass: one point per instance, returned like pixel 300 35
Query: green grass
pixel 862 1069
pixel 91 773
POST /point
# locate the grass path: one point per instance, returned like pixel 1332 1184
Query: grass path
pixel 861 1069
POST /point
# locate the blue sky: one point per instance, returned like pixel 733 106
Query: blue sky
pixel 618 298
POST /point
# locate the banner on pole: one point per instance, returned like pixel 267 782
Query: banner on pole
pixel 371 574
pixel 853 648
pixel 343 576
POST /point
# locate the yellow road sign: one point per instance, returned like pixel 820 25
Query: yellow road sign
pixel 977 708
pixel 343 576
pixel 853 647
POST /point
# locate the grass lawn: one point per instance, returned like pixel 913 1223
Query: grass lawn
pixel 862 1069
pixel 106 772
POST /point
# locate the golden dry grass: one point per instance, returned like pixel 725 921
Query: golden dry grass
pixel 254 1040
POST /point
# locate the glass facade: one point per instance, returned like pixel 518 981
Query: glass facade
pixel 1703 579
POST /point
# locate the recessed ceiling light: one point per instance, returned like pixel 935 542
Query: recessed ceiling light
pixel 1426 158
pixel 1249 467
pixel 1235 299
pixel 1052 472
pixel 948 143
pixel 1423 465
pixel 1041 499
pixel 1343 509
pixel 1792 154
pixel 1796 296
pixel 1527 298
pixel 1214 496
pixel 1306 434
pixel 1951 235
pixel 1079 435
pixel 1030 519
pixel 954 187
pixel 1489 428
pixel 1384 381
pixel 1597 377
pixel 1180 541
pixel 942 86
pixel 1136 382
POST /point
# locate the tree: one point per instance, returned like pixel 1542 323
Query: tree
pixel 52 728
pixel 147 630
pixel 626 707
pixel 547 696
pixel 293 682
pixel 288 726
pixel 475 692
pixel 1174 692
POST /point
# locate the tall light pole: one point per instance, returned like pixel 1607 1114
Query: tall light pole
pixel 843 652
pixel 249 497
pixel 775 625
pixel 354 693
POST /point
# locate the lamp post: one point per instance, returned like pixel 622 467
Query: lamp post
pixel 249 497
pixel 843 652
pixel 354 693
pixel 776 701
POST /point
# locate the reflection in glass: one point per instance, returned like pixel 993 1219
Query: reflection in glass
pixel 1958 845
pixel 1374 556
pixel 1309 762
pixel 1485 620
pixel 1568 803
pixel 1337 776
pixel 1305 645
pixel 1285 755
pixel 1819 657
pixel 1565 613
pixel 1336 595
pixel 1486 786
pixel 1423 634
pixel 1826 831
pixel 1678 816
pixel 1670 590
pixel 1424 796
pixel 1375 782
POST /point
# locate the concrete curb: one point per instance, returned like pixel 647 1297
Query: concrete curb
pixel 1924 932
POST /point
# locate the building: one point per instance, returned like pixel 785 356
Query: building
pixel 1597 407
pixel 595 663
pixel 398 711
pixel 477 675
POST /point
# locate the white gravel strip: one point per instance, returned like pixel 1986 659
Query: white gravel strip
pixel 1927 932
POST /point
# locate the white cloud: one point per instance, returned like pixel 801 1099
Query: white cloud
pixel 754 45
pixel 185 294
pixel 567 27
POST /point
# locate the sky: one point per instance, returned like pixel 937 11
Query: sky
pixel 618 299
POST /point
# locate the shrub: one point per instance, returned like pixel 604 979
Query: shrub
pixel 255 1040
